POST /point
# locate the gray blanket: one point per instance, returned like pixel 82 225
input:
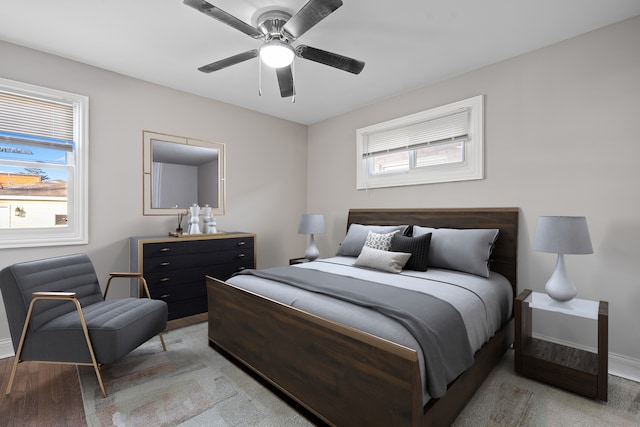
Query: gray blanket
pixel 436 324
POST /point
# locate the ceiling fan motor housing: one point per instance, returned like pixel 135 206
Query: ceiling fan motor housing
pixel 270 24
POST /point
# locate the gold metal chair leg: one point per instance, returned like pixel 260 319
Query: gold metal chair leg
pixel 93 357
pixel 19 351
pixel 100 383
pixel 164 347
pixel 13 374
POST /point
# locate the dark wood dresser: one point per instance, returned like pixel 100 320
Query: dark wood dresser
pixel 175 267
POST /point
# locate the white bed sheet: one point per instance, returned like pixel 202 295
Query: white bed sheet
pixel 484 304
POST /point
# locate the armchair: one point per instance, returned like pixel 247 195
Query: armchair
pixel 58 314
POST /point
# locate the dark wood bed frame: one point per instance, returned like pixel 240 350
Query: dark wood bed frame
pixel 342 375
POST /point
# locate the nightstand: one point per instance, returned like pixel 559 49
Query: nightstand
pixel 573 369
pixel 294 261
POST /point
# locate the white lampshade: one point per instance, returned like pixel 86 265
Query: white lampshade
pixel 562 235
pixel 277 54
pixel 311 224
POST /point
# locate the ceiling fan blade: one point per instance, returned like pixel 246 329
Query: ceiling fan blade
pixel 285 81
pixel 227 62
pixel 310 14
pixel 224 17
pixel 331 59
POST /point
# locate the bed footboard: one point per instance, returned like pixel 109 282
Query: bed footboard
pixel 344 376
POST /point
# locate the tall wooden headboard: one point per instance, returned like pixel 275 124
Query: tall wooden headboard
pixel 505 252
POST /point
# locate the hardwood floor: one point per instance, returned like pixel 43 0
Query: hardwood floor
pixel 46 394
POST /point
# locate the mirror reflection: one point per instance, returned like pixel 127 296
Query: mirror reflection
pixel 180 172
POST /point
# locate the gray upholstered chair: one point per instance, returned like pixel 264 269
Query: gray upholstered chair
pixel 57 313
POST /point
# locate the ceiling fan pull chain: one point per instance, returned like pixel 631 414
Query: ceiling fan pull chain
pixel 293 81
pixel 259 77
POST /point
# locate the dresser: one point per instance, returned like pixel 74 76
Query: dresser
pixel 175 267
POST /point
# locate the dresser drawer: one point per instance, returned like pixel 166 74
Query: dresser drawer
pixel 173 292
pixel 220 271
pixel 196 260
pixel 171 248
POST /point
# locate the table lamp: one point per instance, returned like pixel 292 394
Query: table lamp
pixel 311 224
pixel 562 235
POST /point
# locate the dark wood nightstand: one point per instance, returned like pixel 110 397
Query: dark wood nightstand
pixel 294 261
pixel 573 369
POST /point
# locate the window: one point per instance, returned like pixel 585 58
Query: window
pixel 43 166
pixel 442 144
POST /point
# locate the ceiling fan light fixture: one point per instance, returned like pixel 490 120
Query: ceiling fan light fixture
pixel 277 54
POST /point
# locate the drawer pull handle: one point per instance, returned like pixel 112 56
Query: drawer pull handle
pixel 241 255
pixel 165 249
pixel 164 264
pixel 165 279
pixel 165 296
pixel 242 243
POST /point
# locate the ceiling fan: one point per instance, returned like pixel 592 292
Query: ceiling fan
pixel 277 29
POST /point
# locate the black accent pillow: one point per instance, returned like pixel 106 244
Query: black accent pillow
pixel 418 247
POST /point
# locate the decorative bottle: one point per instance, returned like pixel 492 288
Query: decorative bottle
pixel 206 218
pixel 194 220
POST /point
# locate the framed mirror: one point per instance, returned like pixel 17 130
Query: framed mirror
pixel 180 171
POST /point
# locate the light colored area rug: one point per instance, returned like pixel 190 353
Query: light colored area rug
pixel 506 399
pixel 188 385
pixel 192 385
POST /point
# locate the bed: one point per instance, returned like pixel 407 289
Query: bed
pixel 345 374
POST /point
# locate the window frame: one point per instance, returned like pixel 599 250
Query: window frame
pixel 471 168
pixel 77 230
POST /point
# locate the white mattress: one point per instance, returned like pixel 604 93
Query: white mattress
pixel 484 304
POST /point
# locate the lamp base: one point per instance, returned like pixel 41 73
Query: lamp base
pixel 312 251
pixel 559 287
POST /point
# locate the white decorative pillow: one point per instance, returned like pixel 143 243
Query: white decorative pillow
pixel 379 241
pixel 382 260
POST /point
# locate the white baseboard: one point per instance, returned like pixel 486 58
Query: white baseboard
pixel 625 367
pixel 6 348
pixel 620 366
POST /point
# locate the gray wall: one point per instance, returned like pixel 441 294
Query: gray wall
pixel 561 138
pixel 266 163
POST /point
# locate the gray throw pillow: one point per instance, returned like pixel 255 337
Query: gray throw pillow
pixel 357 235
pixel 468 250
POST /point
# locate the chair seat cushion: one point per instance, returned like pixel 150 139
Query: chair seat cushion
pixel 115 327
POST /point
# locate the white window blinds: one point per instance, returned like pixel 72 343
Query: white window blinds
pixel 445 129
pixel 24 117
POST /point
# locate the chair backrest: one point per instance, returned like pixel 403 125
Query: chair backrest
pixel 69 273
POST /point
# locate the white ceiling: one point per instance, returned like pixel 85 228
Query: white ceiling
pixel 406 44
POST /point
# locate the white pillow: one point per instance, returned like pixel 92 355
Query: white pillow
pixel 379 241
pixel 382 260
